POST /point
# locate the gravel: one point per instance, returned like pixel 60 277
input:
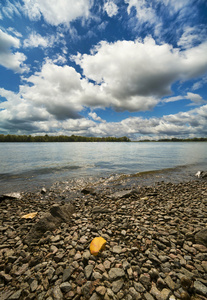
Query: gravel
pixel 156 243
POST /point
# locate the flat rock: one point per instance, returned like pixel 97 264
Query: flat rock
pixel 67 273
pixel 12 196
pixel 50 221
pixel 200 288
pixel 117 285
pixel 65 287
pixel 116 273
pixel 16 295
pixel 121 194
pixel 201 237
pixel 102 210
pixel 88 271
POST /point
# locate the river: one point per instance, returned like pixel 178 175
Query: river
pixel 30 166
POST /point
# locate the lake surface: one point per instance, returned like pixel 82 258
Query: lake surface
pixel 30 166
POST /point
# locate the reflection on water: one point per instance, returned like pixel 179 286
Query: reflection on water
pixel 27 166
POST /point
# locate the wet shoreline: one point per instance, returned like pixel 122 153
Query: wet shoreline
pixel 33 181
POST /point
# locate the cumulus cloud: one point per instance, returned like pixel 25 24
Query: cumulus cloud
pixel 182 124
pixel 95 117
pixel 136 74
pixel 8 58
pixel 55 88
pixel 57 12
pixel 111 8
pixel 23 115
pixel 17 114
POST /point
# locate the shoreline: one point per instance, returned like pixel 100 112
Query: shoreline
pixel 152 247
pixel 31 182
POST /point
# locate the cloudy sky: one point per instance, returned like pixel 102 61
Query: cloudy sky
pixel 135 68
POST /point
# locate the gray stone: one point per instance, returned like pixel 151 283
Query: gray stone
pixel 65 287
pixel 97 275
pixel 55 238
pixel 86 289
pixel 145 279
pixel 117 249
pixel 116 273
pixel 135 295
pixel 147 296
pixel 201 237
pixel 165 294
pixel 139 287
pixel 88 271
pixel 94 297
pixel 101 210
pixel 50 272
pixel 170 282
pixel 117 285
pixel 57 294
pixel 13 196
pixel 101 290
pixel 50 221
pixel 200 288
pixel 121 194
pixel 16 295
pixel 155 292
pixel 33 285
pixel 86 255
pixel 5 276
pixel 41 296
pixel 67 273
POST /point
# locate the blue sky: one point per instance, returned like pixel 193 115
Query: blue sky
pixel 135 68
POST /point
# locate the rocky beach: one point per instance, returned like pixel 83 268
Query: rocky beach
pixel 156 242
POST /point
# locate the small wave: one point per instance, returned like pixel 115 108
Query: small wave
pixel 37 172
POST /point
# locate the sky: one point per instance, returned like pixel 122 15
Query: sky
pixel 135 68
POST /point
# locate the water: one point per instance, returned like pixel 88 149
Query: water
pixel 29 166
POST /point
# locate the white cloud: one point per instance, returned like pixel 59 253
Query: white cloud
pixel 9 9
pixel 134 75
pixel 95 117
pixel 192 36
pixel 144 11
pixel 176 5
pixel 15 32
pixel 199 84
pixel 57 12
pixel 195 98
pixel 153 14
pixel 111 8
pixel 18 114
pixel 8 59
pixel 55 88
pixel 60 59
pixel 23 115
pixel 36 40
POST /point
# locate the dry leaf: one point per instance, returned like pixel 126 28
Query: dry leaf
pixel 97 245
pixel 29 216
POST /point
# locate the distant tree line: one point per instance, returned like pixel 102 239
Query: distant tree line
pixel 60 138
pixel 184 140
pixel 177 140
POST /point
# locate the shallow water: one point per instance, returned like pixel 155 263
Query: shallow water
pixel 29 166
